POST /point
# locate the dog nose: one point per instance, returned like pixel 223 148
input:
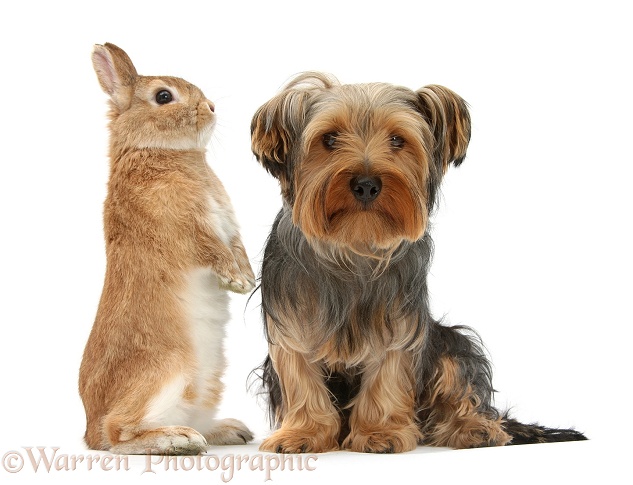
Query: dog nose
pixel 365 188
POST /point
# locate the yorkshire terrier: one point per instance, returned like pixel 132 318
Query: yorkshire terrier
pixel 356 361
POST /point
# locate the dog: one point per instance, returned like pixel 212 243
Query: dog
pixel 355 359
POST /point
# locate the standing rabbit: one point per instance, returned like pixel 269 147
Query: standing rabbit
pixel 150 378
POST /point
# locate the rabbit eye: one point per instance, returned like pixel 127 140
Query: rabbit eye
pixel 164 97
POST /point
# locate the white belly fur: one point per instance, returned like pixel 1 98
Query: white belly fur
pixel 207 310
pixel 222 220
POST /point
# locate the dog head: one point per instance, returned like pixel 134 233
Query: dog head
pixel 360 164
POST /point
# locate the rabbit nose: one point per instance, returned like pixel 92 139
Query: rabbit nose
pixel 211 106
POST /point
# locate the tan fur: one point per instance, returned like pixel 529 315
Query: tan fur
pixel 396 215
pixel 383 413
pixel 453 420
pixel 291 126
pixel 157 230
pixel 449 121
pixel 311 423
pixel 383 416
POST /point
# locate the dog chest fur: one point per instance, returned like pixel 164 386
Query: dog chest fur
pixel 305 287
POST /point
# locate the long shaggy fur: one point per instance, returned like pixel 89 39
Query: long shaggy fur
pixel 356 360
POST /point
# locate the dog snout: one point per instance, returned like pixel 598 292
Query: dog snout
pixel 365 188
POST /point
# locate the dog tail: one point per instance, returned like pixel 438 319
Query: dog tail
pixel 523 434
pixel 462 346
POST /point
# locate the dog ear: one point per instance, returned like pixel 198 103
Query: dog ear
pixel 277 126
pixel 449 120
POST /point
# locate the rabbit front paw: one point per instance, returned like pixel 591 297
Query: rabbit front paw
pixel 237 282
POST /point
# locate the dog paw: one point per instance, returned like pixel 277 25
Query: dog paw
pixel 381 442
pixel 298 441
pixel 229 432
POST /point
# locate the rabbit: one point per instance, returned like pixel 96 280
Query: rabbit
pixel 151 374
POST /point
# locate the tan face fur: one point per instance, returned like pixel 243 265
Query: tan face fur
pixel 319 137
pixel 363 131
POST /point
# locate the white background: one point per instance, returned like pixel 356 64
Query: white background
pixel 532 232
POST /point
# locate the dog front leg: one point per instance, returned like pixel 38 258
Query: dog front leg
pixel 309 421
pixel 383 412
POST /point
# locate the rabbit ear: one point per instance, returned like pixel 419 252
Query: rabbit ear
pixel 115 71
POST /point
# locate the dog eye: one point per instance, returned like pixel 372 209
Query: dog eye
pixel 329 140
pixel 396 141
pixel 164 97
